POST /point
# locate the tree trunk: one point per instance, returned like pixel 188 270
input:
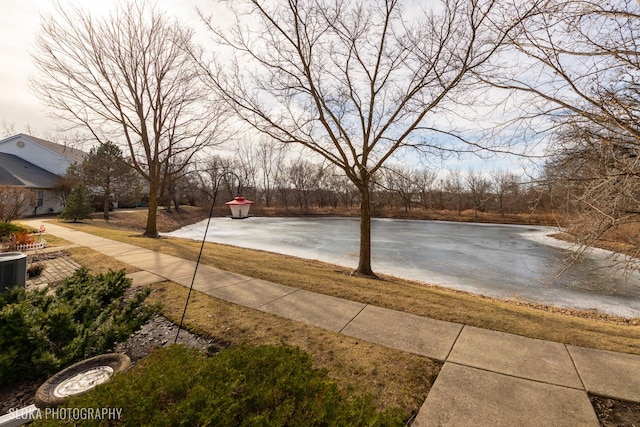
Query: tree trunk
pixel 105 208
pixel 152 229
pixel 364 262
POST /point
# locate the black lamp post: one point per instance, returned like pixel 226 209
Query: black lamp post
pixel 236 213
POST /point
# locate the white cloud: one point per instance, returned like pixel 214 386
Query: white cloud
pixel 19 23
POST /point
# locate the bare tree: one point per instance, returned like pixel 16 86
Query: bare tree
pixel 454 187
pixel 7 129
pixel 270 157
pixel 403 182
pixel 583 71
pixel 356 82
pixel 128 78
pixel 343 189
pixel 426 184
pixel 218 170
pixel 479 190
pixel 507 190
pixel 15 201
pixel 597 174
pixel 175 171
pixel 305 178
pixel 248 164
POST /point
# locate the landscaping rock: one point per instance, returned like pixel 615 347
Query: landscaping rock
pixel 161 332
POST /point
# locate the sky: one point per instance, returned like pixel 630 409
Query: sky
pixel 22 112
pixel 19 24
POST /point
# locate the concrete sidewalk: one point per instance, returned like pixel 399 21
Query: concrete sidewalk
pixel 488 379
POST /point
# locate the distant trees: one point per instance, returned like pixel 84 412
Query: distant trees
pixel 107 175
pixel 128 78
pixel 401 182
pixel 302 185
pixel 306 179
pixel 507 190
pixel 454 187
pixel 480 191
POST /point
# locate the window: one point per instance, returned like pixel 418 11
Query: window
pixel 40 200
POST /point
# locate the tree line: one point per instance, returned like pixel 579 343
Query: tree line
pixel 299 185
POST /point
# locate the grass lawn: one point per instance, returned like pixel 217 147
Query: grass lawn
pixel 393 377
pixel 583 328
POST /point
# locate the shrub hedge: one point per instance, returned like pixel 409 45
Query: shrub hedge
pixel 241 386
pixel 42 332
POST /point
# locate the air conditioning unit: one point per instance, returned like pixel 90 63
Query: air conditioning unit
pixel 13 270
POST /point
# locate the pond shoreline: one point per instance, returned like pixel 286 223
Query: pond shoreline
pixel 504 261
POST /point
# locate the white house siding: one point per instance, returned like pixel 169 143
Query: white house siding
pixel 51 204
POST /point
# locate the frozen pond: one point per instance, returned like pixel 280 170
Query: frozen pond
pixel 503 261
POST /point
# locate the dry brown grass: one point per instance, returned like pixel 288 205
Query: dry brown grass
pixel 54 241
pixel 136 219
pixel 588 329
pixel 420 213
pixel 97 262
pixel 394 378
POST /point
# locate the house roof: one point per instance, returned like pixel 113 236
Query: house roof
pixel 19 172
pixel 71 153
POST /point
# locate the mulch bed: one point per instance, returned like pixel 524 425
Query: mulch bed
pixel 616 413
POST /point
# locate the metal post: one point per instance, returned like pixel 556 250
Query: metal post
pixel 215 195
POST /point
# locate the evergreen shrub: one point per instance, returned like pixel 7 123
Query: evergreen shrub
pixel 41 333
pixel 240 386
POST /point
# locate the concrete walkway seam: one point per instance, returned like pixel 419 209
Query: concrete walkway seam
pixel 352 319
pixel 584 386
pixel 454 342
pixel 516 376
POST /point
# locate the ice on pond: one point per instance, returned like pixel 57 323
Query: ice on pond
pixel 504 261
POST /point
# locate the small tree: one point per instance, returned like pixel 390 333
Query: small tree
pixel 106 172
pixel 14 201
pixel 78 205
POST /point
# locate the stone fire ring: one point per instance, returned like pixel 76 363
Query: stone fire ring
pixel 79 378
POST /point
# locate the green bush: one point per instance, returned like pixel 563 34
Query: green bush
pixel 243 386
pixel 41 333
pixel 78 205
pixel 7 229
